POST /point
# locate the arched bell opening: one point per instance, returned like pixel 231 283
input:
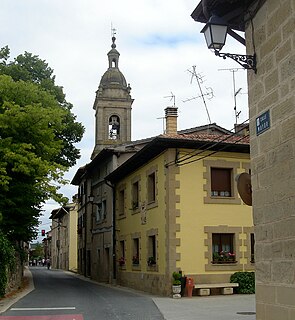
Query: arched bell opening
pixel 114 127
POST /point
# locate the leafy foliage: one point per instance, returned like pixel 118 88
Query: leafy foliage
pixel 246 281
pixel 37 252
pixel 37 136
pixel 31 69
pixel 7 259
pixel 176 278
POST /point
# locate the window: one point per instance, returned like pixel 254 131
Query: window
pixel 100 213
pixel 121 202
pixel 223 248
pixel 135 256
pixel 252 243
pixel 221 182
pixel 135 195
pixel 152 250
pixel 104 209
pixel 151 187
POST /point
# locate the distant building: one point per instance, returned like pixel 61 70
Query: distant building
pixel 47 245
pixel 64 237
pixel 112 107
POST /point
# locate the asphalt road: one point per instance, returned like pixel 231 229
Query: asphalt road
pixel 62 296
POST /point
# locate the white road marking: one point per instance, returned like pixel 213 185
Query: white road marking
pixel 38 309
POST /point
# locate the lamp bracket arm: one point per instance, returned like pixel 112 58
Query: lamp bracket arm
pixel 246 61
pixel 236 36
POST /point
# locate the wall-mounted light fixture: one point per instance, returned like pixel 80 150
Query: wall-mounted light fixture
pixel 215 32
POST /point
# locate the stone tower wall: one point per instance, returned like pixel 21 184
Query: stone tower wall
pixel 273 157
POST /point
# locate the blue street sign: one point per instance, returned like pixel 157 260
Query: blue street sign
pixel 262 123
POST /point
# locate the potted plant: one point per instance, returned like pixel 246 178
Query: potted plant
pixel 121 261
pixel 176 284
pixel 224 257
pixel 151 261
pixel 135 259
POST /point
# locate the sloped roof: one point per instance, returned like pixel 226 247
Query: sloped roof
pixel 232 11
pixel 61 211
pixel 204 133
pixel 226 142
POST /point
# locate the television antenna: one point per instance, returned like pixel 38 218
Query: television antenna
pixel 236 92
pixel 163 123
pixel 172 97
pixel 209 91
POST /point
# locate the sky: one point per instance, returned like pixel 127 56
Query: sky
pixel 159 43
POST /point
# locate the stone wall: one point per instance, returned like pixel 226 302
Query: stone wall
pixel 153 283
pixel 15 276
pixel 272 37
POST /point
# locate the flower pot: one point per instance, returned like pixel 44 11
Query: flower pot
pixel 176 289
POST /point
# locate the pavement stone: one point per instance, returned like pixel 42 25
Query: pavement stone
pixel 221 307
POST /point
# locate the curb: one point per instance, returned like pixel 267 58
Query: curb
pixel 7 302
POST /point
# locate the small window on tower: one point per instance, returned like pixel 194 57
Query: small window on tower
pixel 114 128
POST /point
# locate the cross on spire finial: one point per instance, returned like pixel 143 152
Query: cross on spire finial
pixel 113 31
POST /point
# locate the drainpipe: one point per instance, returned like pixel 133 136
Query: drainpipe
pixel 113 229
pixel 85 238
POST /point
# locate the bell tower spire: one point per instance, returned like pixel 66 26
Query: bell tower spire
pixel 112 105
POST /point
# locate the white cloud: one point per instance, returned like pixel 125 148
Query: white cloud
pixel 158 42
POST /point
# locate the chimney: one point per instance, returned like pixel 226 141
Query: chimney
pixel 171 120
pixel 242 129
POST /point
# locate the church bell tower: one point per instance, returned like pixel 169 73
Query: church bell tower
pixel 112 106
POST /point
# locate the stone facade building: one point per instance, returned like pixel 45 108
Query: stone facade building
pixel 269 26
pixel 113 146
pixel 112 106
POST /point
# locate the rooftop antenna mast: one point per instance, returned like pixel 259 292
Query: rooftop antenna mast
pixel 172 97
pixel 163 123
pixel 209 94
pixel 236 92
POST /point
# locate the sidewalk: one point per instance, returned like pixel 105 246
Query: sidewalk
pixel 221 307
pixel 13 297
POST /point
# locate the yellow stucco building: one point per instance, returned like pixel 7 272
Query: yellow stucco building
pixel 64 237
pixel 177 208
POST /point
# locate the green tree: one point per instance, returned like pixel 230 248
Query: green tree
pixel 37 136
pixel 37 252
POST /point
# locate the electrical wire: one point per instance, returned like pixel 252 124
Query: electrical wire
pixel 206 156
pixel 209 143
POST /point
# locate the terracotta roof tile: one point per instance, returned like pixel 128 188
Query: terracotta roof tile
pixel 237 139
